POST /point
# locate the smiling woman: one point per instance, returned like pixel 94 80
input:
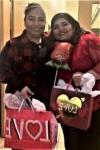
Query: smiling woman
pixel 84 59
pixel 22 62
pixel 25 58
pixel 34 21
pixel 65 28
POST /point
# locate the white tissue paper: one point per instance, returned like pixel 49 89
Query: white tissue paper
pixel 38 106
pixel 94 93
pixel 87 83
pixel 63 85
pixel 13 101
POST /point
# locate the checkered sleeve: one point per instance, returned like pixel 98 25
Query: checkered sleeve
pixel 7 74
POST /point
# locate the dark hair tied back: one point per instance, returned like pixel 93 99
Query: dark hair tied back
pixel 32 6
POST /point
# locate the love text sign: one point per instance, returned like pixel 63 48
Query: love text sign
pixel 27 129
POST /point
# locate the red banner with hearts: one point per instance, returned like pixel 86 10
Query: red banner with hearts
pixel 30 130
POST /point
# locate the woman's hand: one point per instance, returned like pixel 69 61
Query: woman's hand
pixel 26 92
pixel 77 78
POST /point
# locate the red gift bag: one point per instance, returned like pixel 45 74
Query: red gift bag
pixel 81 118
pixel 30 130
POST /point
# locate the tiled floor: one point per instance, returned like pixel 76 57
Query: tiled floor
pixel 2 145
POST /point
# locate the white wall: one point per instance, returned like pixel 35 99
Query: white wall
pixel 51 7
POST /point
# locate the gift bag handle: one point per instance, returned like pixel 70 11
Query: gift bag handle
pixel 69 83
pixel 55 79
pixel 20 107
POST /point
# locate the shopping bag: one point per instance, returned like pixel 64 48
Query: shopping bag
pixel 80 118
pixel 27 129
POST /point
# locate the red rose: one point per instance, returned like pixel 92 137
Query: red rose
pixel 61 52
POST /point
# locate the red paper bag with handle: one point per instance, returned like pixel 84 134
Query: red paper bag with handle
pixel 27 129
pixel 74 109
pixel 80 118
